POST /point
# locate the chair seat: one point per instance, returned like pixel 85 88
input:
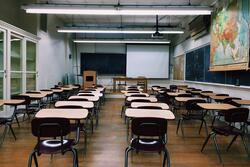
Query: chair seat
pixel 4 120
pixel 226 130
pixel 192 116
pixel 149 145
pixel 53 146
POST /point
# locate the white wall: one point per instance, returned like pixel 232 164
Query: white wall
pixel 188 45
pixel 53 51
pixel 108 48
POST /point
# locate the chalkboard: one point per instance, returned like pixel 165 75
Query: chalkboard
pixel 197 69
pixel 104 63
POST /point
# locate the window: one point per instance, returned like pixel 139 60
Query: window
pixel 30 66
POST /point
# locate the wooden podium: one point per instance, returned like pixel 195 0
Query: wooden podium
pixel 89 78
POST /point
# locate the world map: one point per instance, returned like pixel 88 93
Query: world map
pixel 230 34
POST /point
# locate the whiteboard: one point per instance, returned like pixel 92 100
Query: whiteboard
pixel 151 61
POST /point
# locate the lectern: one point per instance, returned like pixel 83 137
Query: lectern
pixel 89 78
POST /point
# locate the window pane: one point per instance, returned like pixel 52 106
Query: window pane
pixel 1 85
pixel 31 56
pixel 15 54
pixel 31 82
pixel 16 83
pixel 1 51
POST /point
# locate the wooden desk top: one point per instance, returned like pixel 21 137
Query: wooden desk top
pixel 63 113
pixel 242 102
pixel 47 92
pixel 215 106
pixel 195 91
pixel 127 87
pixel 57 90
pixel 127 91
pixel 90 98
pixel 11 102
pixel 140 93
pixel 208 94
pixel 94 93
pixel 83 104
pixel 185 99
pixel 149 113
pixel 174 94
pixel 152 99
pixel 35 96
pixel 164 106
pixel 66 88
pixel 219 97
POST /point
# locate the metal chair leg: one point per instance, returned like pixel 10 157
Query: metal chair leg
pixel 201 126
pixel 12 131
pixel 17 120
pixel 234 138
pixel 35 159
pixel 205 143
pixel 4 134
pixel 166 156
pixel 217 147
pixel 244 143
pixel 126 156
pixel 178 125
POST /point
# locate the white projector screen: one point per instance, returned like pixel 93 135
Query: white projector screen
pixel 151 61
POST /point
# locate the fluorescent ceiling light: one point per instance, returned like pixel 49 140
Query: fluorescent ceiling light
pixel 112 10
pixel 120 41
pixel 119 31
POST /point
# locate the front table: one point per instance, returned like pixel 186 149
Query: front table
pixel 138 79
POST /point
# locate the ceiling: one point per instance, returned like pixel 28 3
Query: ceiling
pixel 127 21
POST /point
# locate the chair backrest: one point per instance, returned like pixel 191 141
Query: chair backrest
pixel 33 92
pixel 184 95
pixel 149 126
pixel 222 94
pixel 140 100
pixel 149 107
pixel 78 99
pixel 172 87
pixel 138 95
pixel 86 94
pixel 133 89
pixel 50 127
pixel 206 91
pixel 26 99
pixel 192 104
pixel 84 91
pixel 239 114
pixel 69 106
pixel 133 92
pixel 99 86
pixel 229 99
pixel 89 89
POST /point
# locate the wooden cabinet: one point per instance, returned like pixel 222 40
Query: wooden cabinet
pixel 89 78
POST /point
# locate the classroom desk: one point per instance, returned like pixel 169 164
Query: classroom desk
pixel 215 106
pixel 57 90
pixel 149 113
pixel 242 102
pixel 185 99
pixel 11 102
pixel 127 91
pixel 220 98
pixel 137 87
pixel 95 94
pixel 151 99
pixel 83 104
pixel 208 94
pixel 89 98
pixel 138 79
pixel 163 106
pixel 35 96
pixel 66 88
pixel 130 94
pixel 175 94
pixel 74 114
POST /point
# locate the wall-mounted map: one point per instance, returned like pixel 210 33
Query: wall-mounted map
pixel 179 68
pixel 230 36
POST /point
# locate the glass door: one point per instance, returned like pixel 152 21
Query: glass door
pixel 30 65
pixel 16 65
pixel 2 63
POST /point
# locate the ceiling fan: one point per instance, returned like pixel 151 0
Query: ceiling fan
pixel 157 34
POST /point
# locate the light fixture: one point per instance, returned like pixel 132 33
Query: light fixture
pixel 116 10
pixel 118 31
pixel 144 41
